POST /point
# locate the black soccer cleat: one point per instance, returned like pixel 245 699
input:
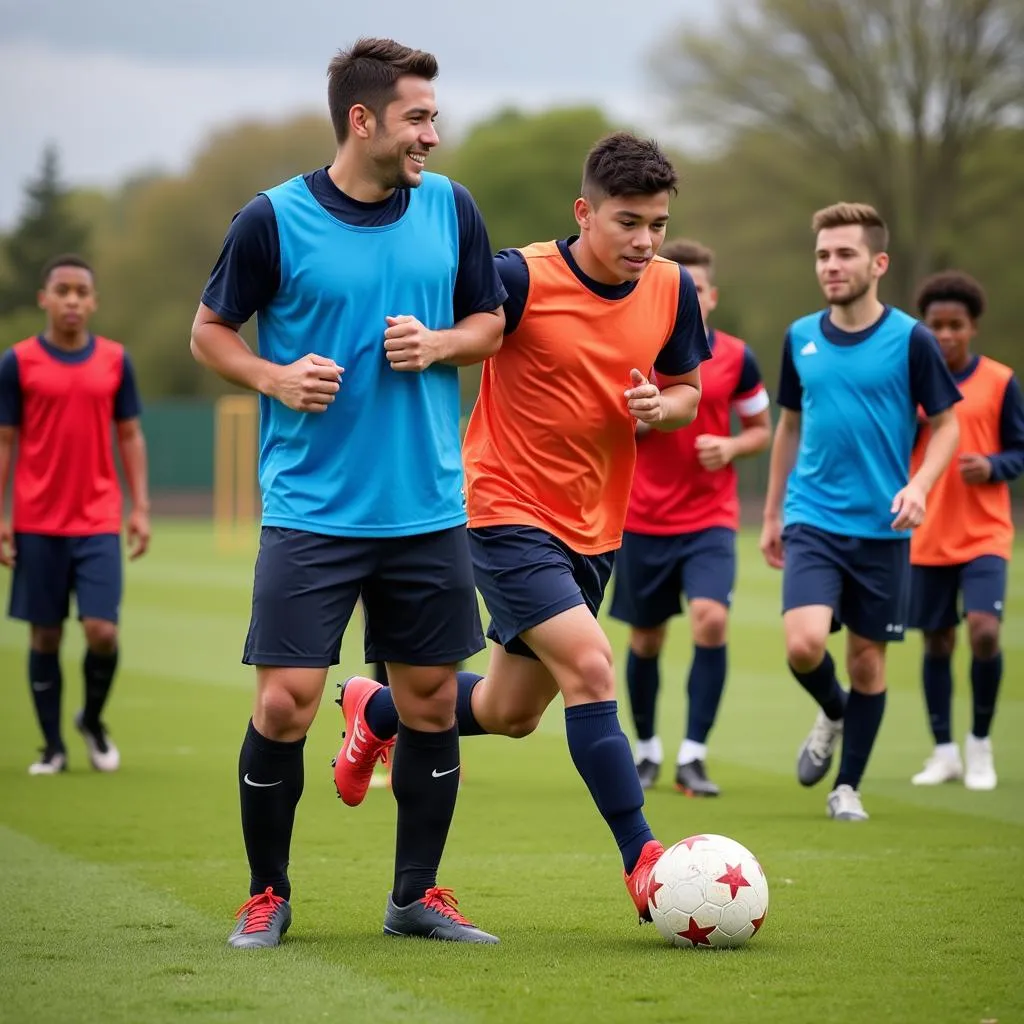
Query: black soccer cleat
pixel 692 779
pixel 648 771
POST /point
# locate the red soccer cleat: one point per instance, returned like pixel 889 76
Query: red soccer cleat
pixel 639 879
pixel 353 767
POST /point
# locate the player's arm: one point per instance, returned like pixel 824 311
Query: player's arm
pixel 750 401
pixel 785 446
pixel 673 401
pixel 245 279
pixel 132 446
pixel 476 303
pixel 1007 464
pixel 10 418
pixel 932 388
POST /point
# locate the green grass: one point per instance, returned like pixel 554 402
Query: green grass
pixel 119 890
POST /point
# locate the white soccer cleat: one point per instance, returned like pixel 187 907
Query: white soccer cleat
pixel 944 765
pixel 51 762
pixel 103 755
pixel 981 769
pixel 844 805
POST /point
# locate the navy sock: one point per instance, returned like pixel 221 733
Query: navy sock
pixel 382 716
pixel 822 685
pixel 601 753
pixel 704 691
pixel 985 679
pixel 270 779
pixel 642 682
pixel 860 727
pixel 46 682
pixel 425 782
pixel 98 670
pixel 937 674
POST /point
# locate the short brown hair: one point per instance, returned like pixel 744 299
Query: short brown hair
pixel 622 164
pixel 689 253
pixel 842 214
pixel 367 73
pixel 952 286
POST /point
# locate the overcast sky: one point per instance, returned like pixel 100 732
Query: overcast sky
pixel 127 85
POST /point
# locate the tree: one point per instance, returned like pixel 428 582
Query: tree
pixel 888 99
pixel 46 229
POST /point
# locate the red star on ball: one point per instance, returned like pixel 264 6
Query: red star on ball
pixel 757 922
pixel 652 890
pixel 698 936
pixel 733 878
pixel 690 842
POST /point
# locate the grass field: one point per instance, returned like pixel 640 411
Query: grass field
pixel 120 890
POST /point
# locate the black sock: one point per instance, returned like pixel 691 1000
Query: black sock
pixel 985 678
pixel 98 670
pixel 601 754
pixel 45 681
pixel 270 777
pixel 860 727
pixel 425 782
pixel 642 681
pixel 937 674
pixel 704 691
pixel 380 672
pixel 822 685
pixel 468 725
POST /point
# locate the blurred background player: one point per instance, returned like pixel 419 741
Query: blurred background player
pixel 373 281
pixel 59 394
pixel 852 379
pixel 680 537
pixel 961 551
pixel 549 456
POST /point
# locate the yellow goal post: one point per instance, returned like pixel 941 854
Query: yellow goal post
pixel 235 487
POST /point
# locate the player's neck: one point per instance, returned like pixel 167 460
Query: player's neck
pixel 591 265
pixel 857 315
pixel 351 176
pixel 67 341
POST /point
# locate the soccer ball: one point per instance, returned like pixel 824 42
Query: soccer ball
pixel 708 890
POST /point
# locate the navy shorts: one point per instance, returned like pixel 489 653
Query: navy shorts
pixel 939 593
pixel 527 576
pixel 419 602
pixel 865 582
pixel 653 573
pixel 48 568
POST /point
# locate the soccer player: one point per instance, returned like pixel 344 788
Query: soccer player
pixel 372 281
pixel 853 377
pixel 549 455
pixel 59 394
pixel 960 552
pixel 680 537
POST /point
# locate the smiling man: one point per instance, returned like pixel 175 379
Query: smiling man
pixel 549 457
pixel 853 378
pixel 372 281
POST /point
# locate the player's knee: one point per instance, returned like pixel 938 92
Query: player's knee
pixel 522 724
pixel 45 639
pixel 984 634
pixel 100 636
pixel 710 623
pixel 805 651
pixel 940 644
pixel 866 667
pixel 590 677
pixel 281 714
pixel 647 643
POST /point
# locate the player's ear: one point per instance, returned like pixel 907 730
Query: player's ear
pixel 361 120
pixel 41 298
pixel 582 210
pixel 881 262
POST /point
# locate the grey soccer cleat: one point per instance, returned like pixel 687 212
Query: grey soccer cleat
pixel 103 755
pixel 648 772
pixel 262 920
pixel 433 917
pixel 692 779
pixel 815 757
pixel 844 805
